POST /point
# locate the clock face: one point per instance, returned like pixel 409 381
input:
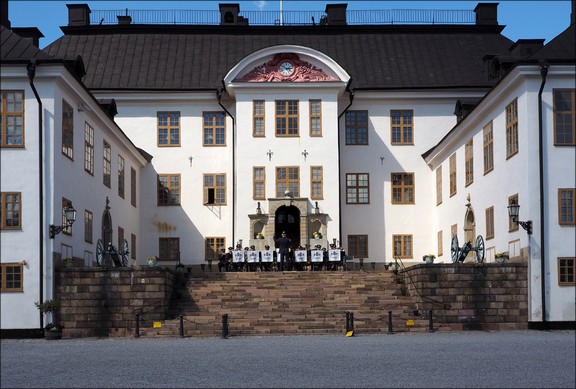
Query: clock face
pixel 286 68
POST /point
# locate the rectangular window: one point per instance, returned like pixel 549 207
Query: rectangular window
pixel 288 179
pixel 402 130
pixel 402 246
pixel 107 164
pixel 11 211
pixel 132 246
pixel 169 249
pixel 120 238
pixel 121 177
pixel 566 271
pixel 88 148
pixel 258 118
pixel 212 247
pixel 469 161
pixel 564 117
pixel 439 185
pixel 133 186
pixel 215 189
pixel 315 117
pixel 452 174
pixel 512 226
pixel 358 246
pixel 357 188
pixel 88 225
pixel 11 277
pixel 12 115
pixel 454 230
pixel 403 188
pixel 440 244
pixel 168 129
pixel 316 182
pixel 512 128
pixel 67 130
pixel 258 183
pixel 488 148
pixel 168 189
pixel 287 118
pixel 68 229
pixel 566 206
pixel 490 223
pixel 214 129
pixel 357 127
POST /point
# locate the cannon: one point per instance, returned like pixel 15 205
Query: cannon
pixel 119 258
pixel 459 253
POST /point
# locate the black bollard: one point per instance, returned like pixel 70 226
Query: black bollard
pixel 181 326
pixel 390 322
pixel 352 321
pixel 225 326
pixel 430 322
pixel 347 321
pixel 137 333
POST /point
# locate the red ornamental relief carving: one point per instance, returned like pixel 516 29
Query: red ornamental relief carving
pixel 286 68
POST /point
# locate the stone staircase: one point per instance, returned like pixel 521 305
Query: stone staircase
pixel 288 303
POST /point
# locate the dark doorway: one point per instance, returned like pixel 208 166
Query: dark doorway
pixel 288 219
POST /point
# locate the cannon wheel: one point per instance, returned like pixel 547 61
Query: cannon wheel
pixel 125 253
pixel 454 249
pixel 100 252
pixel 480 249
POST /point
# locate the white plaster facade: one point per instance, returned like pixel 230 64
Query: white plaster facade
pixel 62 178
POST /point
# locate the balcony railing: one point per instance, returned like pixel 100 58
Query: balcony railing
pixel 287 18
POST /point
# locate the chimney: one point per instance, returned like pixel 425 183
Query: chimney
pixel 31 34
pixel 4 13
pixel 487 14
pixel 124 19
pixel 525 47
pixel 229 15
pixel 336 14
pixel 78 14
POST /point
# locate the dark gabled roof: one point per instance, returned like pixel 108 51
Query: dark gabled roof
pixel 560 49
pixel 151 57
pixel 15 48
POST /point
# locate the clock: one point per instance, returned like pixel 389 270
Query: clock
pixel 286 68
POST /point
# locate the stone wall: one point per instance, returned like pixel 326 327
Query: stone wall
pixel 471 296
pixel 104 302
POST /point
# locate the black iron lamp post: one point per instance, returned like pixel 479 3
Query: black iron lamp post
pixel 513 212
pixel 70 215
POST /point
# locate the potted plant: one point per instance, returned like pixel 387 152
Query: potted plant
pixel 52 330
pixel 68 261
pixel 501 257
pixel 429 258
pixel 152 261
pixel 394 266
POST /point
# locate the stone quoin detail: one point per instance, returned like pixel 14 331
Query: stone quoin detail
pixel 302 72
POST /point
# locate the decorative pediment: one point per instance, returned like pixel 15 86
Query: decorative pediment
pixel 286 67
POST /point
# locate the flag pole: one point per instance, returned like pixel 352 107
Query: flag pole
pixel 281 14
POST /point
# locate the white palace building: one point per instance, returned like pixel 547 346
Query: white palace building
pixel 389 139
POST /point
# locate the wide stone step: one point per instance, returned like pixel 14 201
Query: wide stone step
pixel 276 303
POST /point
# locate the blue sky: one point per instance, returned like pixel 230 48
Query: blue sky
pixel 523 19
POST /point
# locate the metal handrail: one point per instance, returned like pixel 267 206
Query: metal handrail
pixel 286 18
pixel 424 298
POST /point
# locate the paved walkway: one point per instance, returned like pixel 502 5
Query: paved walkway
pixel 510 359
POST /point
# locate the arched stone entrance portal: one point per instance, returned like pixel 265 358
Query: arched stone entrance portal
pixel 287 218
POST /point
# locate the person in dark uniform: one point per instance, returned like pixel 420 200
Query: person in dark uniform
pixel 222 261
pixel 284 243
